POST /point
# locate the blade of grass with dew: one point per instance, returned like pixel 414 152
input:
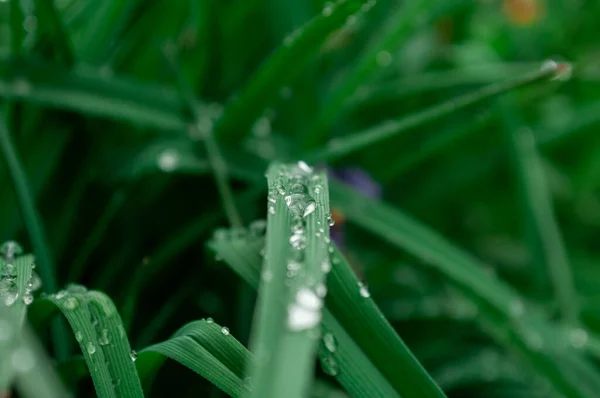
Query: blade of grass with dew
pixel 400 25
pixel 533 338
pixel 99 331
pixel 347 363
pixel 206 348
pixel 51 26
pixel 15 275
pixel 33 224
pixel 34 81
pixel 290 298
pixel 344 146
pixel 282 66
pixel 349 300
pixel 538 204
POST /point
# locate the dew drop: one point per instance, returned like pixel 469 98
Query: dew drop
pixel 578 338
pixel 10 249
pixel 28 299
pixel 267 276
pixel 330 342
pixel 304 167
pixel 103 339
pixel 133 355
pixel 225 330
pixel 78 336
pixel 384 59
pixel 90 348
pixel 306 298
pixel 330 366
pixel 363 290
pixel 326 265
pixel 60 295
pixel 168 160
pixel 321 290
pixel 70 303
pixel 210 320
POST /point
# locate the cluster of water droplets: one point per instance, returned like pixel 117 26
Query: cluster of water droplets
pixel 9 290
pixel 328 361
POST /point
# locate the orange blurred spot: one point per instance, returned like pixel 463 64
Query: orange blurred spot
pixel 337 216
pixel 523 12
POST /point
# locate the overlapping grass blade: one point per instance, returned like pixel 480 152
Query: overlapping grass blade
pixel 349 300
pixel 206 348
pixel 15 275
pixel 35 81
pixel 290 296
pixel 99 331
pixel 22 357
pixel 529 334
pixel 351 143
pixel 282 66
pixel 348 364
pixel 538 204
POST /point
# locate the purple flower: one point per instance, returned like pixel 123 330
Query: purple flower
pixel 361 181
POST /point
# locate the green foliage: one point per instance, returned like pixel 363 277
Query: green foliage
pixel 459 163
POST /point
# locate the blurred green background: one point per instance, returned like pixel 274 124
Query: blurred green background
pixel 93 102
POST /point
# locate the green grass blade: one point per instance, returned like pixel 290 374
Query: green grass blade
pixel 51 25
pixel 30 215
pixel 350 301
pixel 290 297
pixel 398 28
pixel 346 145
pixel 99 331
pixel 539 206
pixel 22 356
pixel 15 274
pixel 347 363
pixel 33 224
pixel 282 66
pixel 206 348
pixel 90 93
pixel 531 336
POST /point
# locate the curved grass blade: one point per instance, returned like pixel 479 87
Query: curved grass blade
pixel 397 29
pixel 350 301
pixel 501 307
pixel 34 81
pixel 346 145
pixel 282 66
pixel 538 204
pixel 206 348
pixel 348 364
pixel 99 331
pixel 290 298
